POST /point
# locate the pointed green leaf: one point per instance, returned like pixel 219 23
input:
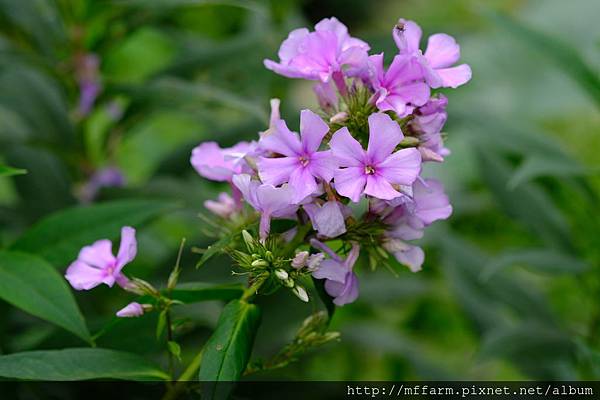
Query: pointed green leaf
pixel 228 350
pixel 59 237
pixel 9 171
pixel 33 285
pixel 538 166
pixel 78 364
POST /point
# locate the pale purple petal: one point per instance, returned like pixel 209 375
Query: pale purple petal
pixel 343 293
pixel 326 95
pixel 290 47
pixel 209 161
pixel 224 207
pixel 350 182
pixel 432 203
pixel 416 93
pixel 127 249
pixel 402 167
pixel 323 164
pixel 98 255
pixel 275 171
pixel 442 51
pixel 407 35
pixel 378 186
pixel 384 136
pixel 355 61
pixel 455 76
pixel 247 187
pixel 275 201
pixel 327 219
pixel 84 277
pixel 412 257
pixel 331 270
pixel 282 141
pixel 312 130
pixel 346 149
pixel 303 183
pixel 131 310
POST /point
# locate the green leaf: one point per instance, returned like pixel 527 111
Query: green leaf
pixel 33 285
pixel 324 296
pixel 542 260
pixel 9 171
pixel 565 56
pixel 174 348
pixel 161 324
pixel 194 292
pixel 538 166
pixel 214 249
pixel 59 237
pixel 228 350
pixel 77 364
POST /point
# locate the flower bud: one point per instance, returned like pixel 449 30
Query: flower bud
pixel 269 256
pixel 314 261
pixel 339 118
pixel 259 263
pixel 300 259
pixel 132 310
pixel 429 155
pixel 281 274
pixel 249 240
pixel 289 282
pixel 301 293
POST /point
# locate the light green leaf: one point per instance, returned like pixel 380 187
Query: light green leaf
pixel 228 350
pixel 9 171
pixel 59 237
pixel 33 285
pixel 194 292
pixel 78 364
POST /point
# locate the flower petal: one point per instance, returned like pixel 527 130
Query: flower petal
pixel 323 165
pixel 412 257
pixel 384 136
pixel 302 183
pixel 84 277
pixel 402 167
pixel 331 270
pixel 442 51
pixel 327 219
pixel 312 130
pixel 98 255
pixel 432 203
pixel 455 76
pixel 127 248
pixel 346 149
pixel 275 171
pixel 407 35
pixel 350 182
pixel 344 293
pixel 378 186
pixel 282 141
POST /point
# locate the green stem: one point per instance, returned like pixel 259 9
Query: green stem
pixel 170 339
pixel 186 376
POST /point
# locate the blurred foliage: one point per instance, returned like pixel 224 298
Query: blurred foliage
pixel 511 282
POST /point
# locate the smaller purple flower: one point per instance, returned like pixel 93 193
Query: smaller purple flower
pixel 326 96
pixel 427 123
pixel 268 200
pixel 442 52
pixel 225 206
pixel 327 219
pixel 105 177
pixel 88 77
pixel 301 163
pixel 217 164
pixel 131 310
pixel 341 282
pixel 402 87
pixel 327 52
pixel 375 170
pixel 96 264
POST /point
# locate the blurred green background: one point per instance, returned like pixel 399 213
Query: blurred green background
pixel 510 288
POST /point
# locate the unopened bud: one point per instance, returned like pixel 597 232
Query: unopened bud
pixel 289 282
pixel 301 293
pixel 281 274
pixel 141 287
pixel 300 259
pixel 269 256
pixel 409 141
pixel 259 263
pixel 248 239
pixel 314 261
pixel 429 155
pixel 339 118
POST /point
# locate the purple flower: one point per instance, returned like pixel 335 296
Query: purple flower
pixel 442 52
pixel 131 310
pixel 327 219
pixel 401 87
pixel 327 52
pixel 105 177
pixel 88 77
pixel 225 206
pixel 266 199
pixel 341 282
pixel 326 96
pixel 427 123
pixel 273 118
pixel 301 163
pixel 217 164
pixel 375 170
pixel 96 264
pixel 408 220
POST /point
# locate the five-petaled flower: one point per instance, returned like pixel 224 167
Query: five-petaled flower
pixel 374 171
pixel 96 263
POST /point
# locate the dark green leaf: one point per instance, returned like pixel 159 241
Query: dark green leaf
pixel 77 364
pixel 228 350
pixel 214 249
pixel 324 296
pixel 161 323
pixel 59 237
pixel 33 285
pixel 174 348
pixel 194 292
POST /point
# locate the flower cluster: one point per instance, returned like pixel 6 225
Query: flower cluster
pixel 362 150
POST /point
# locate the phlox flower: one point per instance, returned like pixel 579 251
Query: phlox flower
pixel 268 200
pixel 427 123
pixel 96 263
pixel 328 218
pixel 402 87
pixel 225 206
pixel 327 52
pixel 441 54
pixel 341 282
pixel 374 171
pixel 301 163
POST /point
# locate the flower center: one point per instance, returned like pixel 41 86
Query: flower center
pixel 369 170
pixel 304 161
